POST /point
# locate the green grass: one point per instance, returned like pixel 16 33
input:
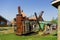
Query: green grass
pixel 29 37
pixel 12 36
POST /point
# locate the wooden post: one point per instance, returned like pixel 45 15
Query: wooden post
pixel 59 22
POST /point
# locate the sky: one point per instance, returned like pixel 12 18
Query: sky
pixel 8 8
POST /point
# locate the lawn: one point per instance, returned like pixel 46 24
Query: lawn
pixel 12 36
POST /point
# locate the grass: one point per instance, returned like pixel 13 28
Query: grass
pixel 6 30
pixel 12 36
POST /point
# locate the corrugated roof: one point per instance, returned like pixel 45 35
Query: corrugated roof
pixel 32 18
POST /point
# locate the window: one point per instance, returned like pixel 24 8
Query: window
pixel 1 23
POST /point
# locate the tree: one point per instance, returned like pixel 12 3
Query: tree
pixel 54 20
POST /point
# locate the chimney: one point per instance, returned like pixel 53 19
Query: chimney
pixel 19 10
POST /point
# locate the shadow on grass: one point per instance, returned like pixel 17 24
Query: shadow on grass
pixel 29 34
pixel 55 35
pixel 32 33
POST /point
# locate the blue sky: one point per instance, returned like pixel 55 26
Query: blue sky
pixel 8 8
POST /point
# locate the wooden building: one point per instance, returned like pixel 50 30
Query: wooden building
pixel 25 24
pixel 3 22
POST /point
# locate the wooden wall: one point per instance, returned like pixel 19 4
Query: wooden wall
pixel 3 22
